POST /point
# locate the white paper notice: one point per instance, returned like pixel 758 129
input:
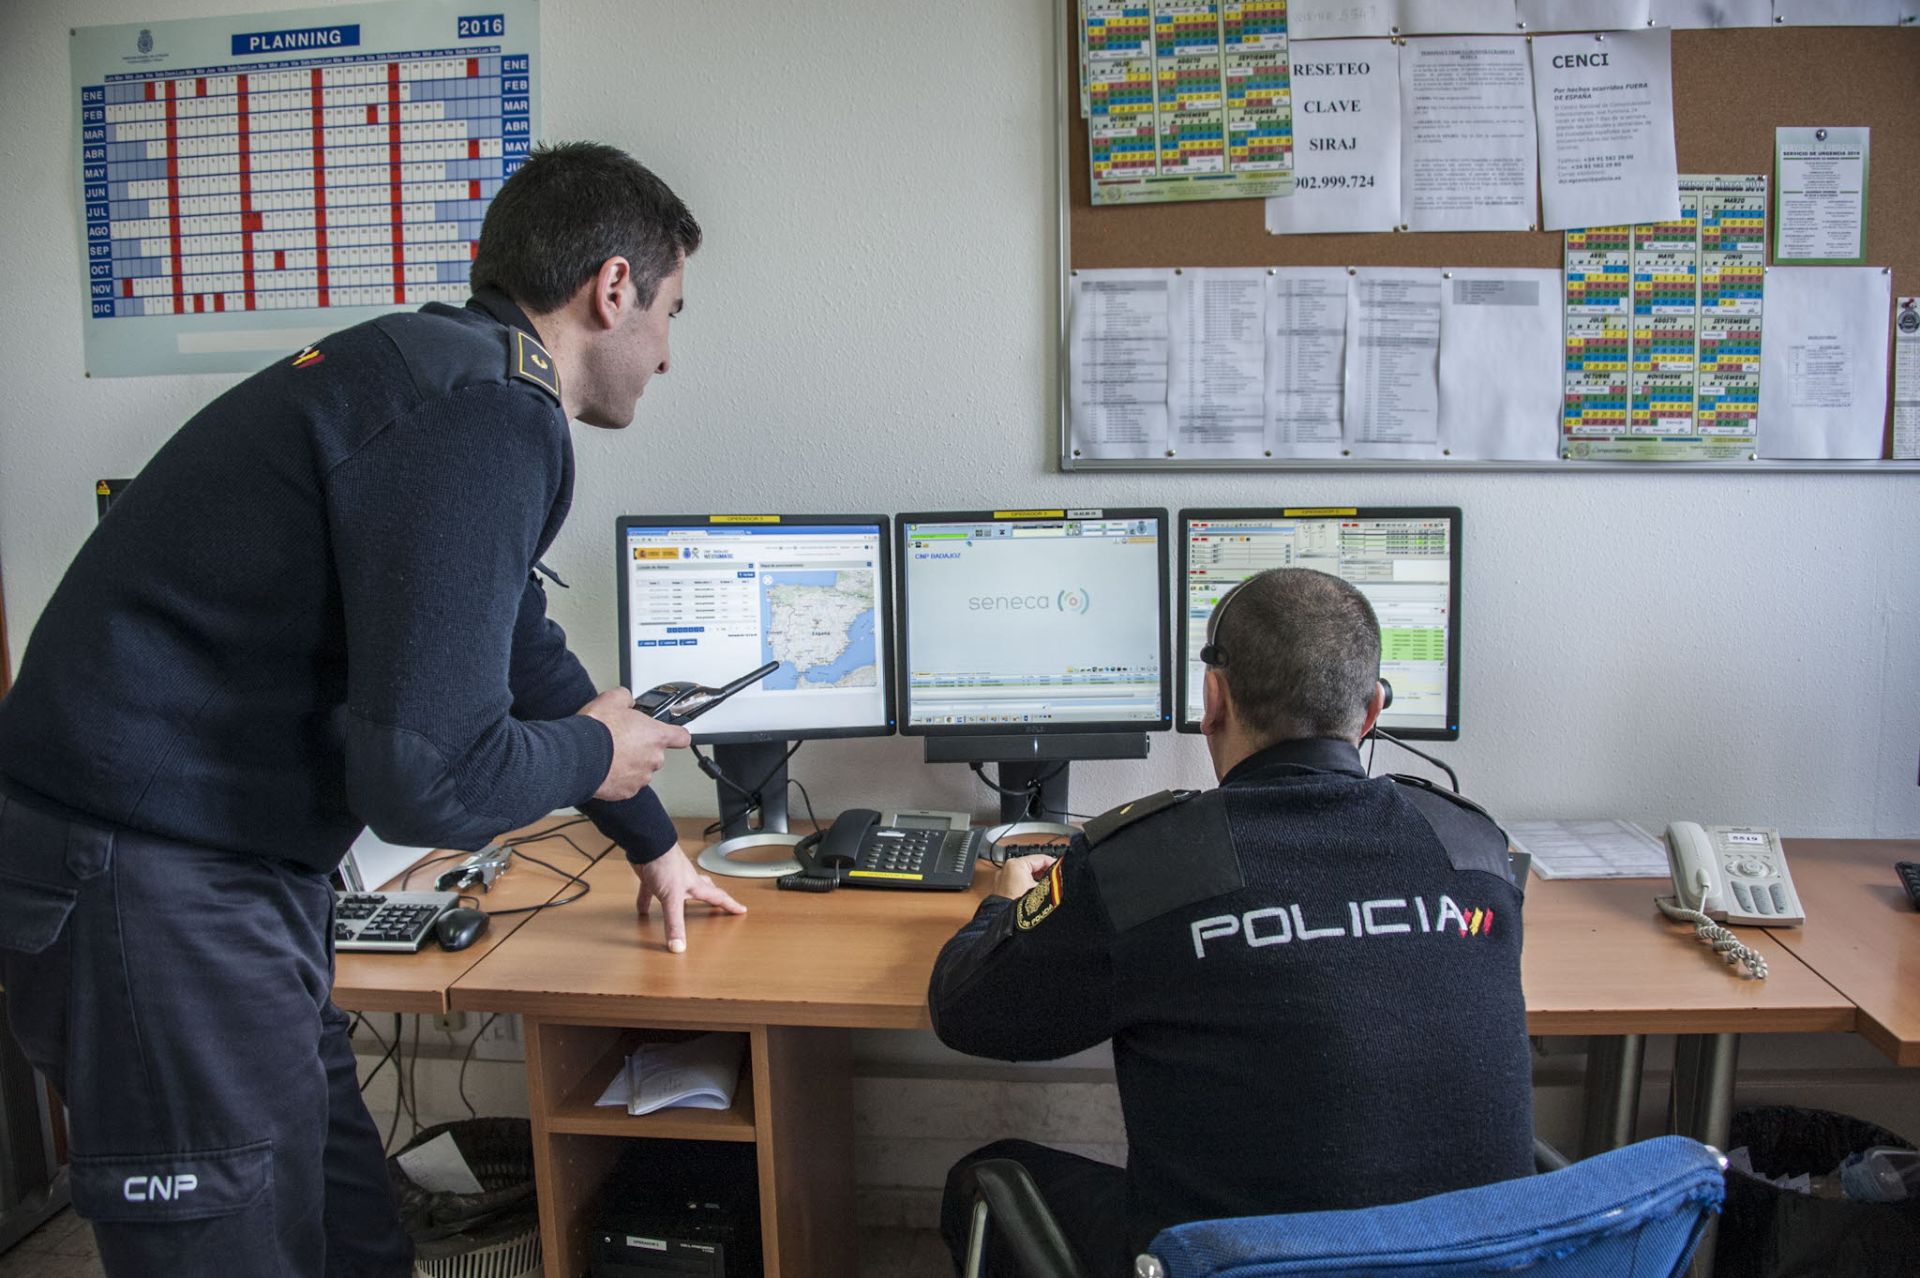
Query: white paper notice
pixel 1715 14
pixel 1823 361
pixel 1906 379
pixel 1216 387
pixel 1605 108
pixel 1822 195
pixel 1341 19
pixel 1590 849
pixel 1500 360
pixel 1467 151
pixel 1392 404
pixel 1457 17
pixel 1585 15
pixel 1346 140
pixel 1117 361
pixel 439 1167
pixel 1306 353
pixel 1837 13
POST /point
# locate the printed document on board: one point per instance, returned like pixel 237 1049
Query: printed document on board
pixel 1500 361
pixel 1467 149
pixel 1605 107
pixel 1392 377
pixel 1346 140
pixel 1823 361
pixel 1117 355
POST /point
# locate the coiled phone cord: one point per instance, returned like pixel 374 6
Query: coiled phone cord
pixel 1707 932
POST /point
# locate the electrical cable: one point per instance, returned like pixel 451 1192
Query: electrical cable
pixel 413 1076
pixel 1453 778
pixel 399 1088
pixel 466 1059
pixel 754 795
pixel 385 1057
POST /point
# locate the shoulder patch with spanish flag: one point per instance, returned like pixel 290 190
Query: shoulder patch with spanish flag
pixel 308 357
pixel 1031 910
pixel 532 363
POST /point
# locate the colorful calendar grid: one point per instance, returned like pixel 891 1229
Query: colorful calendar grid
pixel 1662 329
pixel 325 174
pixel 1187 99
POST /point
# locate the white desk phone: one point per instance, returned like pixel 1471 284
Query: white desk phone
pixel 1731 873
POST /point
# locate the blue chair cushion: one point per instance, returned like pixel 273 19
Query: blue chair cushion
pixel 1636 1211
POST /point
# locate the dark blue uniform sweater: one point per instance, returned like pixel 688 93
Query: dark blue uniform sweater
pixel 315 609
pixel 1311 980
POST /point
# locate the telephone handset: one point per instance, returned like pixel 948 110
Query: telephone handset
pixel 866 849
pixel 1732 873
pixel 1735 873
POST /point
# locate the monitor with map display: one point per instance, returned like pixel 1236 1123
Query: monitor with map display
pixel 708 598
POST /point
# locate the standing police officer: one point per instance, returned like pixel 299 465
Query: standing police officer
pixel 317 608
pixel 1311 978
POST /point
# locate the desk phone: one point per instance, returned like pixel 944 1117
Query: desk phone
pixel 925 851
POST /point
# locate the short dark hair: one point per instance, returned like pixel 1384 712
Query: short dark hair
pixel 572 206
pixel 1301 654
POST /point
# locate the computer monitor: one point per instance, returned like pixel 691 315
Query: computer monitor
pixel 1031 638
pixel 1404 559
pixel 707 598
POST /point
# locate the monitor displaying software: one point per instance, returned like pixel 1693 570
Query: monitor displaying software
pixel 707 598
pixel 1017 622
pixel 1405 560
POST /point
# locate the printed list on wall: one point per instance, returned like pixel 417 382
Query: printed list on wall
pixel 251 183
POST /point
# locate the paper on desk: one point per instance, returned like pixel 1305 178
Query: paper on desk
pixel 1590 849
pixel 1605 108
pixel 1500 382
pixel 1823 361
pixel 1467 150
pixel 1392 403
pixel 700 1073
pixel 439 1167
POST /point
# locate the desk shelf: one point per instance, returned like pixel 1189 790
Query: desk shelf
pixel 576 1114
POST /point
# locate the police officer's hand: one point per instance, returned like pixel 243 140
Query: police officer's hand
pixel 640 744
pixel 673 880
pixel 1019 875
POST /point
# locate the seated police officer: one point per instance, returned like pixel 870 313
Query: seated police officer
pixel 1311 977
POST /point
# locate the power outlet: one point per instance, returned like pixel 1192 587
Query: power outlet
pixel 450 1022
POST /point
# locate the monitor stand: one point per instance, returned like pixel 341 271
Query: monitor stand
pixel 1036 762
pixel 742 849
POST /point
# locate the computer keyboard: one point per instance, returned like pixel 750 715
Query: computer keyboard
pixel 394 921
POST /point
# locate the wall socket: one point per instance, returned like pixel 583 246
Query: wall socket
pixel 450 1022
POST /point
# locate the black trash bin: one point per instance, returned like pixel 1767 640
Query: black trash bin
pixel 492 1234
pixel 1769 1232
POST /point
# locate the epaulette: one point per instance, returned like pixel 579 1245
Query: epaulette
pixel 1468 844
pixel 1114 820
pixel 1453 797
pixel 530 362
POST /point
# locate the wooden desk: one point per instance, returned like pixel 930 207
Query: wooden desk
pixel 1862 935
pixel 1600 959
pixel 419 982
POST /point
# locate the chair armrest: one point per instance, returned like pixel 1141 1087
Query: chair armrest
pixel 1546 1158
pixel 1023 1227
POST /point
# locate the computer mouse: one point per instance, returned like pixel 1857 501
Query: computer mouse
pixel 459 928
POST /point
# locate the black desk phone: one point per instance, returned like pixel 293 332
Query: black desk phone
pixel 858 851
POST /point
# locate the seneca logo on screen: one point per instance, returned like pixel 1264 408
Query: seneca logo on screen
pixel 1074 599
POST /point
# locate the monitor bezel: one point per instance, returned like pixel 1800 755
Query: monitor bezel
pixel 883 607
pixel 1163 524
pixel 1454 643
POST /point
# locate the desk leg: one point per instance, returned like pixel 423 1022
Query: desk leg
pixel 1702 1107
pixel 1612 1101
pixel 803 1096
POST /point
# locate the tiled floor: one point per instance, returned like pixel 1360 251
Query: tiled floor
pixel 63 1248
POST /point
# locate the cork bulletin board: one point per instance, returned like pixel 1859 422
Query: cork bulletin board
pixel 1731 89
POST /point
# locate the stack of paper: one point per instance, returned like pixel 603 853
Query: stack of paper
pixel 700 1073
pixel 1590 849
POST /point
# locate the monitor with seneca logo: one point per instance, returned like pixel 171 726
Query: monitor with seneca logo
pixel 1032 638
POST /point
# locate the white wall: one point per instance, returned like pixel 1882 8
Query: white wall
pixel 871 325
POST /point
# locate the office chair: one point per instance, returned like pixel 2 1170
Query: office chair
pixel 1635 1212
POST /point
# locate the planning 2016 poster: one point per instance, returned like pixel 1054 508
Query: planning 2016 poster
pixel 251 183
pixel 1662 330
pixel 1187 99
